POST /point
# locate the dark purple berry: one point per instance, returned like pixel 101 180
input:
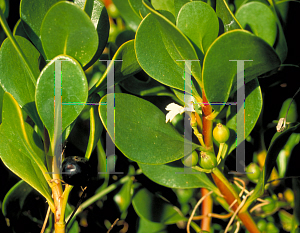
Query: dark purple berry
pixel 76 171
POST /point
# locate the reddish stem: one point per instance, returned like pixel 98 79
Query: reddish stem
pixel 207 206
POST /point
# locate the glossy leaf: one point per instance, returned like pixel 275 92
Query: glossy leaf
pixel 178 4
pixel 259 19
pixel 227 17
pixel 219 73
pixel 281 45
pixel 253 107
pixel 26 159
pixel 32 19
pixel 74 92
pixel 150 87
pixel 19 30
pixel 122 69
pixel 141 132
pixel 167 5
pixel 60 35
pixel 199 22
pixel 99 17
pixel 150 227
pixel 138 7
pixel 158 45
pixel 15 198
pixel 12 67
pixel 1 102
pixel 173 175
pixel 130 16
pixel 275 147
pixel 154 209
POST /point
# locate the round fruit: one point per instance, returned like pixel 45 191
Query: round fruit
pixel 253 171
pixel 261 224
pixel 269 207
pixel 271 228
pixel 221 133
pixel 191 159
pixel 76 171
pixel 208 160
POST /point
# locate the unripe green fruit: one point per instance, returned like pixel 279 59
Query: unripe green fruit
pixel 269 207
pixel 221 133
pixel 262 224
pixel 254 171
pixel 271 228
pixel 191 159
pixel 208 160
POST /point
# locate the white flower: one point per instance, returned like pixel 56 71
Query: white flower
pixel 175 109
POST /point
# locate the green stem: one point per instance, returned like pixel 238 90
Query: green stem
pixel 64 202
pixel 16 46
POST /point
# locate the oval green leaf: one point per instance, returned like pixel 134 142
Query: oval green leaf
pixel 161 48
pixel 219 73
pixel 155 209
pixel 199 22
pixel 20 148
pixel 12 67
pixel 173 175
pixel 74 92
pixel 253 107
pixel 99 17
pixel 141 132
pixel 60 35
pixel 32 19
pixel 259 19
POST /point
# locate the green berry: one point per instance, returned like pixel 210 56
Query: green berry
pixel 269 207
pixel 208 160
pixel 261 224
pixel 221 133
pixel 191 159
pixel 253 171
pixel 271 228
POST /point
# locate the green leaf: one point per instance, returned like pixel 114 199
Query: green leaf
pixel 158 45
pixel 155 209
pixel 99 17
pixel 227 17
pixel 74 92
pixel 138 7
pixel 167 5
pixel 150 227
pixel 1 102
pixel 14 200
pixel 253 107
pixel 12 67
pixel 19 30
pixel 60 35
pixel 296 189
pixel 130 16
pixel 141 132
pixel 259 19
pixel 276 146
pixel 219 74
pixel 74 226
pixel 150 87
pixel 199 22
pixel 20 148
pixel 178 4
pixel 129 66
pixel 32 19
pixel 166 175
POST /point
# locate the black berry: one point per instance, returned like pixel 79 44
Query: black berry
pixel 76 171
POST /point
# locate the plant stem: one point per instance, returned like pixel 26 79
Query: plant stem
pixel 207 207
